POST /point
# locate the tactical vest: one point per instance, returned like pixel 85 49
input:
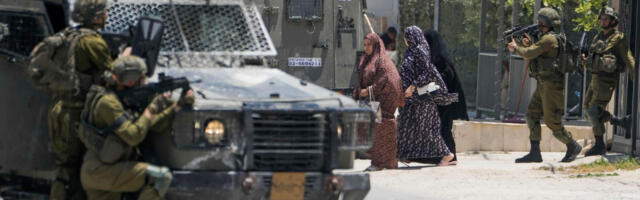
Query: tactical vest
pixel 601 60
pixel 52 64
pixel 552 68
pixel 109 147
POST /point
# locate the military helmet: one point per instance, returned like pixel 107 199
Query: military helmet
pixel 129 68
pixel 549 17
pixel 609 11
pixel 86 11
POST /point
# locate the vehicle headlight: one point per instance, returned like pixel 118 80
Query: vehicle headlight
pixel 355 131
pixel 214 132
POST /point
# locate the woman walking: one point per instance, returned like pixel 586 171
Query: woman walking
pixel 419 125
pixel 376 73
pixel 457 110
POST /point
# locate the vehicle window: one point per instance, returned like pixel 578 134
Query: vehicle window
pixel 305 9
pixel 195 34
pixel 219 28
pixel 23 32
pixel 206 28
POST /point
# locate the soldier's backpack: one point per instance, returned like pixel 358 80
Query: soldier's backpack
pixel 566 60
pixel 52 62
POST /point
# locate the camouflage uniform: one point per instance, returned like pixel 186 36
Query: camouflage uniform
pixel 92 57
pixel 604 79
pixel 548 99
pixel 104 179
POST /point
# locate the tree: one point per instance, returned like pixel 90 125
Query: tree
pixel 589 12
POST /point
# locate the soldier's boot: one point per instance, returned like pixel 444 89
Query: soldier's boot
pixel 598 149
pixel 624 122
pixel 534 155
pixel 573 149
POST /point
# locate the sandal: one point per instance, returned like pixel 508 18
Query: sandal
pixel 404 161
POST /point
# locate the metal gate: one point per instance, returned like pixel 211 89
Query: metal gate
pixel 622 139
pixel 488 96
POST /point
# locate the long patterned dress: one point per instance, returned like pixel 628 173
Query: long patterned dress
pixel 419 124
pixel 378 72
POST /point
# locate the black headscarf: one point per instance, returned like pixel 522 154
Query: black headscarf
pixel 441 59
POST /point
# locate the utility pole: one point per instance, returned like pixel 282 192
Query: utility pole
pixel 436 16
pixel 483 19
pixel 515 13
pixel 536 7
pixel 498 68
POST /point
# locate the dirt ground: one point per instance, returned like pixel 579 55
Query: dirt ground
pixel 494 175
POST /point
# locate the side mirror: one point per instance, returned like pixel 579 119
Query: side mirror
pixel 147 38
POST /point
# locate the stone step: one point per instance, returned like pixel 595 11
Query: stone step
pixel 498 136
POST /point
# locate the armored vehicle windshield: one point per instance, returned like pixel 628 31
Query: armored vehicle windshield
pixel 198 33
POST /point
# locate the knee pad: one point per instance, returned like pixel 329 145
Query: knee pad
pixel 594 113
pixel 162 176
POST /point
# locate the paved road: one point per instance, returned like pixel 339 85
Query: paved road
pixel 487 175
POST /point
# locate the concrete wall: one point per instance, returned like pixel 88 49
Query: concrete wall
pixel 493 136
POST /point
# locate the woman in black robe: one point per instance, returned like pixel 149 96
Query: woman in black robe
pixel 457 110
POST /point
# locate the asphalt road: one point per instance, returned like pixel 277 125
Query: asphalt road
pixel 485 175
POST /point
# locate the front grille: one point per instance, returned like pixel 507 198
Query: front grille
pixel 289 142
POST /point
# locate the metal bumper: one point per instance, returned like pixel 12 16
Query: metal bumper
pixel 198 185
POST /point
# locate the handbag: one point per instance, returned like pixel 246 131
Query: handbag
pixel 373 104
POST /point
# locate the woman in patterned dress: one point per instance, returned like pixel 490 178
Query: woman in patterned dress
pixel 377 73
pixel 418 123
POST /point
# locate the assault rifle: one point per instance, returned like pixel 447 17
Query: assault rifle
pixel 138 98
pixel 145 39
pixel 518 33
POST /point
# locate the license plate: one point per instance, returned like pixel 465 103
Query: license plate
pixel 305 62
pixel 287 186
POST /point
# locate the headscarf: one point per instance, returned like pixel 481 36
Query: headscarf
pixel 417 53
pixel 369 61
pixel 439 53
pixel 378 69
pixel 418 45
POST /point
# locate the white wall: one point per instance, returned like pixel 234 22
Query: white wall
pixel 387 8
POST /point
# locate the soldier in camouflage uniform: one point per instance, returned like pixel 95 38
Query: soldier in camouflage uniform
pixel 91 58
pixel 111 168
pixel 608 56
pixel 548 98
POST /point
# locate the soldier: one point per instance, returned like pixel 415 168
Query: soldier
pixel 110 168
pixel 91 57
pixel 608 56
pixel 547 101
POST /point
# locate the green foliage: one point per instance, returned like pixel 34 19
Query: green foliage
pixel 600 165
pixel 588 11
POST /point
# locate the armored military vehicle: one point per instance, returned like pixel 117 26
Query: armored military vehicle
pixel 253 133
pixel 319 41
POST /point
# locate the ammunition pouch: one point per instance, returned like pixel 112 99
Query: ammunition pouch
pixel 546 69
pixel 109 146
pixel 603 61
pixel 607 63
